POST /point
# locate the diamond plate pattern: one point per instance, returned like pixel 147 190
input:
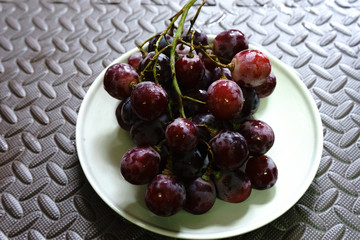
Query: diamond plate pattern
pixel 51 52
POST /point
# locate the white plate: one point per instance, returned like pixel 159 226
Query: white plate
pixel 291 112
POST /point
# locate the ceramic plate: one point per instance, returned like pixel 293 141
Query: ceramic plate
pixel 291 112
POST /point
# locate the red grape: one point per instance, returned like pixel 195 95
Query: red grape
pixel 259 136
pixel 147 132
pixel 188 165
pixel 251 68
pixel 127 114
pixel 233 186
pixel 230 149
pixel 181 135
pixel 262 172
pixel 163 71
pixel 200 196
pixel 225 99
pixel 135 59
pixel 200 36
pixel 139 165
pixel 190 69
pixel 149 100
pixel 230 42
pixel 267 87
pixel 119 118
pixel 118 80
pixel 165 195
pixel 164 42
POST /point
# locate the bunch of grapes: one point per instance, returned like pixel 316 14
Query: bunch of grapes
pixel 188 105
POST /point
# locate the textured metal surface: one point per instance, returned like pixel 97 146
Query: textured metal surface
pixel 51 51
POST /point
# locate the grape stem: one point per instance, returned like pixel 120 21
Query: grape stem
pixel 176 38
pixel 193 99
pixel 193 20
pixel 230 65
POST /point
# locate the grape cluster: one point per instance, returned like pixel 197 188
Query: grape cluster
pixel 188 106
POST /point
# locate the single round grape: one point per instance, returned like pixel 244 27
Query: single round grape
pixel 190 70
pixel 139 165
pixel 165 195
pixel 200 196
pixel 208 125
pixel 209 64
pixel 267 87
pixel 118 80
pixel 165 41
pixel 135 59
pixel 205 81
pixel 251 68
pixel 182 135
pixel 259 136
pixel 147 132
pixel 224 99
pixel 191 107
pixel 221 73
pixel 230 42
pixel 233 186
pixel 262 172
pixel 119 118
pixel 149 100
pixel 163 70
pixel 188 165
pixel 251 103
pixel 200 36
pixel 230 149
pixel 127 113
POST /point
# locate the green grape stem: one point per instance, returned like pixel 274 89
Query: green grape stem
pixel 176 38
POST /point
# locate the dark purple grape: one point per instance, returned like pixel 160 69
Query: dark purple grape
pixel 134 60
pixel 251 103
pixel 267 87
pixel 200 196
pixel 139 165
pixel 262 172
pixel 190 70
pixel 165 41
pixel 251 68
pixel 200 36
pixel 259 136
pixel 181 135
pixel 233 186
pixel 188 165
pixel 209 64
pixel 221 73
pixel 191 107
pixel 230 149
pixel 118 80
pixel 230 42
pixel 163 71
pixel 208 126
pixel 149 100
pixel 165 195
pixel 127 114
pixel 147 132
pixel 119 118
pixel 205 81
pixel 224 99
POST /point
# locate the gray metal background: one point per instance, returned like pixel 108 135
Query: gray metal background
pixel 52 50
